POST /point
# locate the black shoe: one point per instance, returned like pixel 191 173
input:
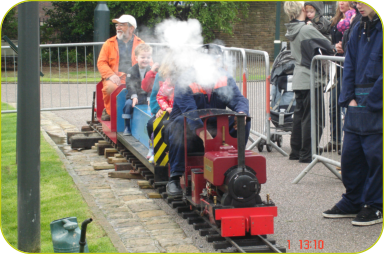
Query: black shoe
pixel 174 188
pixel 305 160
pixel 337 213
pixel 105 116
pixel 293 157
pixel 368 216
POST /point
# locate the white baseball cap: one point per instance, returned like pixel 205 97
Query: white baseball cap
pixel 126 19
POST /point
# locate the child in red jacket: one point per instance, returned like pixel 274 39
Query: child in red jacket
pixel 165 95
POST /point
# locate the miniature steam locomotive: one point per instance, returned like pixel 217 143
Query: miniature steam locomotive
pixel 222 183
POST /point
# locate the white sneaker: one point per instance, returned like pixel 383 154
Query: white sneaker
pixel 152 159
pixel 150 153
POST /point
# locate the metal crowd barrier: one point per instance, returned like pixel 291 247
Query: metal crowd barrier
pixel 326 116
pixel 70 76
pixel 251 70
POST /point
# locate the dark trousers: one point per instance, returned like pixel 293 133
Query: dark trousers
pixel 335 113
pixel 301 129
pixel 362 172
pixel 174 137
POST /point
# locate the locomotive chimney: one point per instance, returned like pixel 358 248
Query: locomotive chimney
pixel 241 140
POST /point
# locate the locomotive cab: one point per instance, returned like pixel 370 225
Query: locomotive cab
pixel 224 182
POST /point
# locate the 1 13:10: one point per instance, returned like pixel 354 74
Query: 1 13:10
pixel 309 244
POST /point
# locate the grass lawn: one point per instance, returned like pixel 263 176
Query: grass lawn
pixel 55 76
pixel 59 196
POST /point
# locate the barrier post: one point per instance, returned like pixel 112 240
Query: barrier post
pixel 28 129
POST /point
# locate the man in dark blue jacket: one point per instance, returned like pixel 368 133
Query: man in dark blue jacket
pixel 223 94
pixel 362 93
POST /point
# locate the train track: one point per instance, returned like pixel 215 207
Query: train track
pixel 212 234
pixel 247 244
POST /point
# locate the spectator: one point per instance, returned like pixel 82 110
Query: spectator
pixel 314 17
pixel 334 108
pixel 116 57
pixel 306 41
pixel 345 23
pixel 224 93
pixel 362 93
pixel 347 33
pixel 136 95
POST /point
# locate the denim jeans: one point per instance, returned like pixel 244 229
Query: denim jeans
pixel 128 109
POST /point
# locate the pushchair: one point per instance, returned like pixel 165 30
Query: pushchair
pixel 282 97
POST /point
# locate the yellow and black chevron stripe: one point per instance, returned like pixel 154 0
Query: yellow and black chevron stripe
pixel 160 148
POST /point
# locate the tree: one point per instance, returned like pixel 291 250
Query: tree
pixel 9 26
pixel 73 21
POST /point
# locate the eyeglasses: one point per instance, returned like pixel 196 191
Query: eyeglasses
pixel 357 3
pixel 120 25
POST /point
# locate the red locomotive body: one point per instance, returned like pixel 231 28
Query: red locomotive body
pixel 224 182
pixel 217 163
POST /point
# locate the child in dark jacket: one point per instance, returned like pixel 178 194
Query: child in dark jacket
pixel 315 18
pixel 136 95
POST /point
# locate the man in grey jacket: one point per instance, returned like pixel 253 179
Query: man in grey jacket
pixel 306 42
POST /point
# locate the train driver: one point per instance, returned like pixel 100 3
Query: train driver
pixel 116 56
pixel 223 94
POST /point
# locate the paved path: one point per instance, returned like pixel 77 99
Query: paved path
pixel 133 222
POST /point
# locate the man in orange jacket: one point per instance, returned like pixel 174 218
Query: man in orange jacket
pixel 116 56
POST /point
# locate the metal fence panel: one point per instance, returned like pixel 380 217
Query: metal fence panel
pixel 70 76
pixel 326 115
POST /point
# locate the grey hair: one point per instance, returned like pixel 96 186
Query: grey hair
pixel 293 9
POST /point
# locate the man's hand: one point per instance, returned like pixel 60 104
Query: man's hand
pixel 201 135
pixel 339 48
pixel 235 124
pixel 353 103
pixel 155 67
pixel 159 113
pixel 115 79
pixel 309 22
pixel 169 110
pixel 134 102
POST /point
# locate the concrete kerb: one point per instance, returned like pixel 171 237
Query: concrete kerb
pixel 98 214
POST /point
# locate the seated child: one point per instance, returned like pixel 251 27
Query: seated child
pixel 165 95
pixel 136 95
pixel 165 71
pixel 315 18
pixel 149 79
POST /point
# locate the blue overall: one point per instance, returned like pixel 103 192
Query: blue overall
pixel 362 155
pixel 190 98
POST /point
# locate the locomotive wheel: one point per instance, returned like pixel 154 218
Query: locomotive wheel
pixel 260 147
pixel 269 148
pixel 279 140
